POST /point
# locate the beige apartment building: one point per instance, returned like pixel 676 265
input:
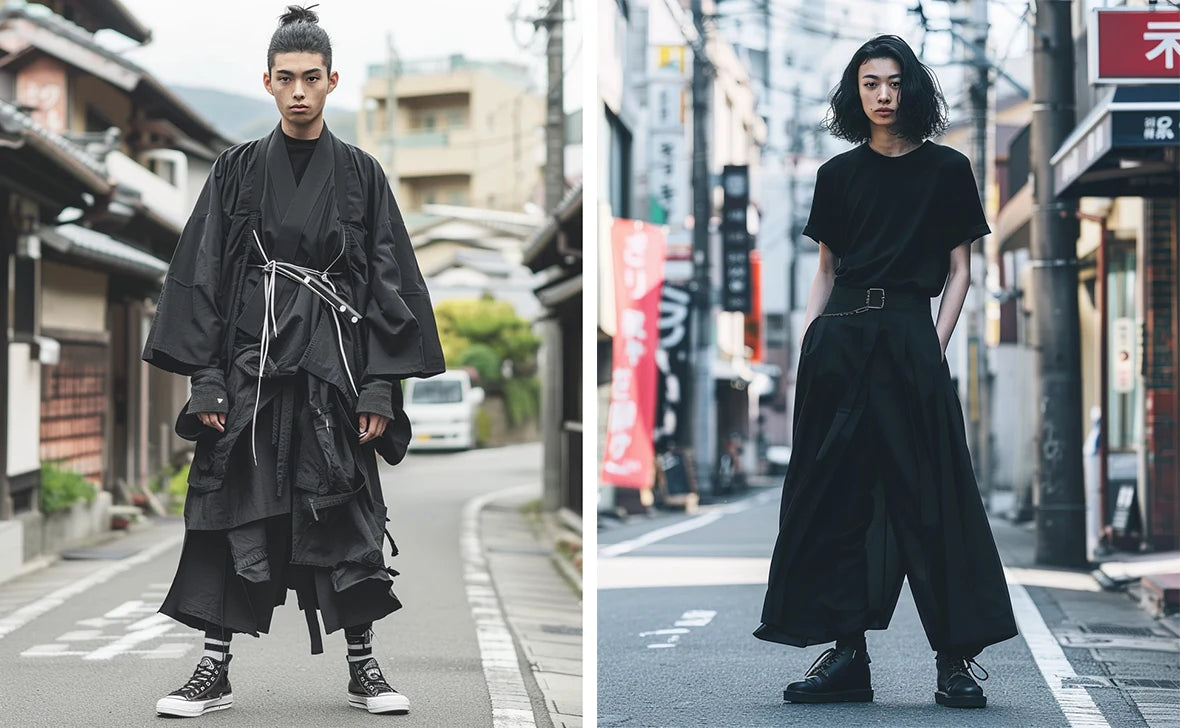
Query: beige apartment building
pixel 465 132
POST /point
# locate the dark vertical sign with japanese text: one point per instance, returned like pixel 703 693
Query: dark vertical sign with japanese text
pixel 735 239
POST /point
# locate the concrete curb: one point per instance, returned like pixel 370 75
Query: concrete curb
pixel 541 603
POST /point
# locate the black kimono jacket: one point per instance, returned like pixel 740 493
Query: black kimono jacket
pixel 319 280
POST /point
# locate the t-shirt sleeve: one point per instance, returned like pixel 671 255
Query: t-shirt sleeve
pixel 963 213
pixel 822 224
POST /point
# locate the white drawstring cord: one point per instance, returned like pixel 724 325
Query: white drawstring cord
pixel 270 326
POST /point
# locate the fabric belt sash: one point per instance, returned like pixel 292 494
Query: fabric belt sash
pixel 851 299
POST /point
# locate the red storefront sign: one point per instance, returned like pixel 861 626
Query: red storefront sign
pixel 638 251
pixel 753 336
pixel 1135 46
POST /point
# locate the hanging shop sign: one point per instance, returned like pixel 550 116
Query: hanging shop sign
pixel 1134 45
pixel 638 254
pixel 735 239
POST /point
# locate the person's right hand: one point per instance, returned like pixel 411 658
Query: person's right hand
pixel 216 420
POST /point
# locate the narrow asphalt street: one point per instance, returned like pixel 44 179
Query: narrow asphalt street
pixel 679 596
pixel 82 644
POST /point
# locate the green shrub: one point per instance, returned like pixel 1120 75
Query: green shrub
pixel 483 427
pixel 178 488
pixel 484 360
pixel 522 397
pixel 61 488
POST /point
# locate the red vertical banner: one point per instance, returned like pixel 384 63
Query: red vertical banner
pixel 753 338
pixel 638 254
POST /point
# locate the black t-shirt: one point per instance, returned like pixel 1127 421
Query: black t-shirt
pixel 299 151
pixel 892 221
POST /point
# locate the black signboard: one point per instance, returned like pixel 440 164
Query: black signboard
pixel 735 239
pixel 1155 128
pixel 672 366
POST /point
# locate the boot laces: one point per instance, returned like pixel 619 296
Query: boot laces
pixel 966 666
pixel 824 662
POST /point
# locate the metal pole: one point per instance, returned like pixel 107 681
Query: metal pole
pixel 555 113
pixel 6 228
pixel 1103 367
pixel 391 112
pixel 700 399
pixel 1058 483
pixel 980 425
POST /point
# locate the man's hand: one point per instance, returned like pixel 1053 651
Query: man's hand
pixel 371 426
pixel 215 420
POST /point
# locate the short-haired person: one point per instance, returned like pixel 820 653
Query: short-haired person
pixel 880 484
pixel 295 304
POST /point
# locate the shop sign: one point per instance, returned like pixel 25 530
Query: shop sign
pixel 1122 355
pixel 735 239
pixel 1134 45
pixel 1152 128
pixel 638 251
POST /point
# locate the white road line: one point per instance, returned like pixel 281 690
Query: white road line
pixel 501 668
pixel 1075 703
pixel 29 612
pixel 692 524
pixel 127 641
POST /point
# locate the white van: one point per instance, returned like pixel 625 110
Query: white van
pixel 442 411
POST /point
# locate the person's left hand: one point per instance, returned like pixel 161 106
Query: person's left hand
pixel 371 426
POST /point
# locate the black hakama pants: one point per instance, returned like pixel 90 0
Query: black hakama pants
pixel 211 590
pixel 880 488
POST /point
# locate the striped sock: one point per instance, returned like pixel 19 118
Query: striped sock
pixel 360 642
pixel 217 643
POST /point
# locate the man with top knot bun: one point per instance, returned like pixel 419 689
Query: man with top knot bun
pixel 295 304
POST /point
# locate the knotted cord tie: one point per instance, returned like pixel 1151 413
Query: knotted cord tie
pixel 318 282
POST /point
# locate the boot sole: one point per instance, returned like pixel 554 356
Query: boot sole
pixel 942 698
pixel 843 696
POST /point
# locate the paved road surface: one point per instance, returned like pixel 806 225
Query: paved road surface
pixel 679 596
pixel 101 658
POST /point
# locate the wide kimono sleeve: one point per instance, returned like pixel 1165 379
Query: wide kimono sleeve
pixel 400 331
pixel 824 222
pixel 186 333
pixel 962 214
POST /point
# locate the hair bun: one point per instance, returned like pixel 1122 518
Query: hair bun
pixel 297 14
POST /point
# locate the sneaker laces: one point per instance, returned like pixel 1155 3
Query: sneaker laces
pixel 202 678
pixel 372 685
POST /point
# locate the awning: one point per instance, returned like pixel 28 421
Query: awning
pixel 1127 146
pixel 104 250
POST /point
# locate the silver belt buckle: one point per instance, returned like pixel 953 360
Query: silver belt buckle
pixel 869 298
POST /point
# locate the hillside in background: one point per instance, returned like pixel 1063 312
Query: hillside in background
pixel 241 118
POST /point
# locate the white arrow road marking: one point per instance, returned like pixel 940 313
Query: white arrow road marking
pixel 150 621
pixel 691 618
pixel 57 650
pixel 99 622
pixel 29 612
pixel 128 641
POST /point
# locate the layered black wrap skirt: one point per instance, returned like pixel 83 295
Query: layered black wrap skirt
pixel 880 488
pixel 234 578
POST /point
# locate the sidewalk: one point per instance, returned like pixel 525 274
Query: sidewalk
pixel 542 607
pixel 1128 662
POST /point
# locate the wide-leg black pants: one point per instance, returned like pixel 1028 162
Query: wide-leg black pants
pixel 880 488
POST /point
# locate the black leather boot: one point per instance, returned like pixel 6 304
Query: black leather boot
pixel 840 675
pixel 956 683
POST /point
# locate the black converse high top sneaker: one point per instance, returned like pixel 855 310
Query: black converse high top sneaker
pixel 207 690
pixel 368 689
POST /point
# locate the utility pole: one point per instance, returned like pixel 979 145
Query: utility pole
pixel 701 392
pixel 1058 483
pixel 391 112
pixel 555 112
pixel 979 400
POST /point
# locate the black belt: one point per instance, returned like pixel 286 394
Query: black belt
pixel 846 300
